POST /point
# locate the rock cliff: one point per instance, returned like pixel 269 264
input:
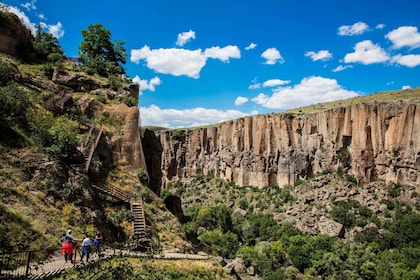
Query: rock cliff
pixel 372 141
pixel 15 38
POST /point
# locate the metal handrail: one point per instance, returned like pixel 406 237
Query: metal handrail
pixel 44 262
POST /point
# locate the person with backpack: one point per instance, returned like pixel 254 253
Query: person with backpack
pixel 97 243
pixel 67 246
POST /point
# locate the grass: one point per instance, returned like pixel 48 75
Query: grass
pixel 189 267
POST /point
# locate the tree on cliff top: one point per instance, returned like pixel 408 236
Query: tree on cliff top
pixel 98 54
pixel 47 46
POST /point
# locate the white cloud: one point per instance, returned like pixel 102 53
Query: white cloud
pixel 251 46
pixel 173 118
pixel 147 85
pixel 356 29
pixel 342 68
pixel 275 82
pixel 56 30
pixel 410 60
pixel 180 62
pixel 223 53
pixel 24 19
pixel 380 26
pixel 29 5
pixel 404 36
pixel 185 37
pixel 311 90
pixel 172 61
pixel 366 52
pixel 240 100
pixel 272 56
pixel 406 87
pixel 254 86
pixel 321 55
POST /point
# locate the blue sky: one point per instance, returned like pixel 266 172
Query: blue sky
pixel 203 62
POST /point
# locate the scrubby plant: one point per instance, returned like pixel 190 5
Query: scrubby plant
pixel 7 73
pixel 130 101
pixel 143 176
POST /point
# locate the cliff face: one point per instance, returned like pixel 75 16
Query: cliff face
pixel 371 141
pixel 122 147
pixel 15 38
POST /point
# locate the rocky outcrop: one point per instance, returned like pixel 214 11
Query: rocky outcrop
pixel 371 141
pixel 15 38
pixel 126 145
pixel 122 147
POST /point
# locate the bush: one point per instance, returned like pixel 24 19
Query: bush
pixel 225 244
pixel 394 190
pixel 7 73
pixel 64 134
pixel 14 103
pixel 130 101
pixel 143 176
pixel 177 134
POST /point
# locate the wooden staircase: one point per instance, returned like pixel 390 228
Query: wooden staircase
pixel 140 229
pixel 91 143
pixel 139 223
pixel 114 192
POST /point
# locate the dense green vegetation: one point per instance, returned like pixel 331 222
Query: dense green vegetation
pixel 384 247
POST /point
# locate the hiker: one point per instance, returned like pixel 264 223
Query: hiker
pixel 67 246
pixel 86 247
pixel 97 243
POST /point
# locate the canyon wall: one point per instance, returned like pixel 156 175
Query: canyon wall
pixel 373 141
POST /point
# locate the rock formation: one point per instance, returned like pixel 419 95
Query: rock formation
pixel 15 38
pixel 370 141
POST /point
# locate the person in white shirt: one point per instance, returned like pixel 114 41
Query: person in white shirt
pixel 86 247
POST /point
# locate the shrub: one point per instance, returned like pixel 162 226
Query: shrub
pixel 225 244
pixel 394 190
pixel 130 101
pixel 143 176
pixel 243 204
pixel 7 73
pixel 64 134
pixel 14 102
pixel 177 135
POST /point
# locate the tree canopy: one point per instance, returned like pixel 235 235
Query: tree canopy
pixel 47 46
pixel 99 54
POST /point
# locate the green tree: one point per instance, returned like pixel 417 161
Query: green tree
pixel 64 134
pixel 99 54
pixel 225 244
pixel 47 46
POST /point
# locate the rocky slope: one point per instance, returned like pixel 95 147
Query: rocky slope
pixel 372 141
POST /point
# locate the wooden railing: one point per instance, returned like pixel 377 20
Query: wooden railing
pixel 44 264
pixel 114 192
pixel 140 229
pixel 91 143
